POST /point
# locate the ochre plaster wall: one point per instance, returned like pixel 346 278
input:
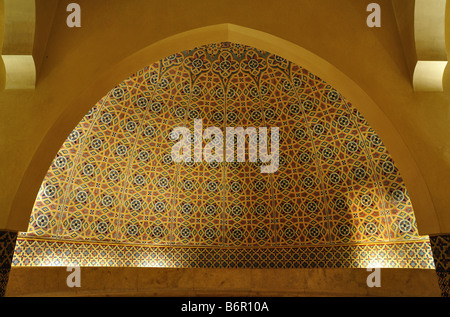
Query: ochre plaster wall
pixel 51 281
pixel 35 122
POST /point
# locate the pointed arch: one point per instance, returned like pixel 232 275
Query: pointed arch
pixel 423 206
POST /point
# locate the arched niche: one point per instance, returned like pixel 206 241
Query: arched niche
pixel 31 180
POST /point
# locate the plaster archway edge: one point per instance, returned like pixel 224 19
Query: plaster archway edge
pixel 24 199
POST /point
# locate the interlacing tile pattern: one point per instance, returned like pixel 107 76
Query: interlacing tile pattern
pixel 440 246
pixel 114 184
pixel 36 252
pixel 7 246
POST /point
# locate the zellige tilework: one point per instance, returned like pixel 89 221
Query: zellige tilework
pixel 113 183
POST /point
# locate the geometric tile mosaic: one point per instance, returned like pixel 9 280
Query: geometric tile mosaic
pixel 113 181
pixel 7 246
pixel 440 246
pixel 37 252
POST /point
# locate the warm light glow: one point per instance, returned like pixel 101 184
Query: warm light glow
pixel 375 264
pixel 152 263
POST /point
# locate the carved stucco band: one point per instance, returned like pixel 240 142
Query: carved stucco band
pixel 7 245
pixel 18 42
pixel 440 246
pixel 429 34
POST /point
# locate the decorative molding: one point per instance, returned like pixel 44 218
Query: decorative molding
pixel 18 42
pixel 429 35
